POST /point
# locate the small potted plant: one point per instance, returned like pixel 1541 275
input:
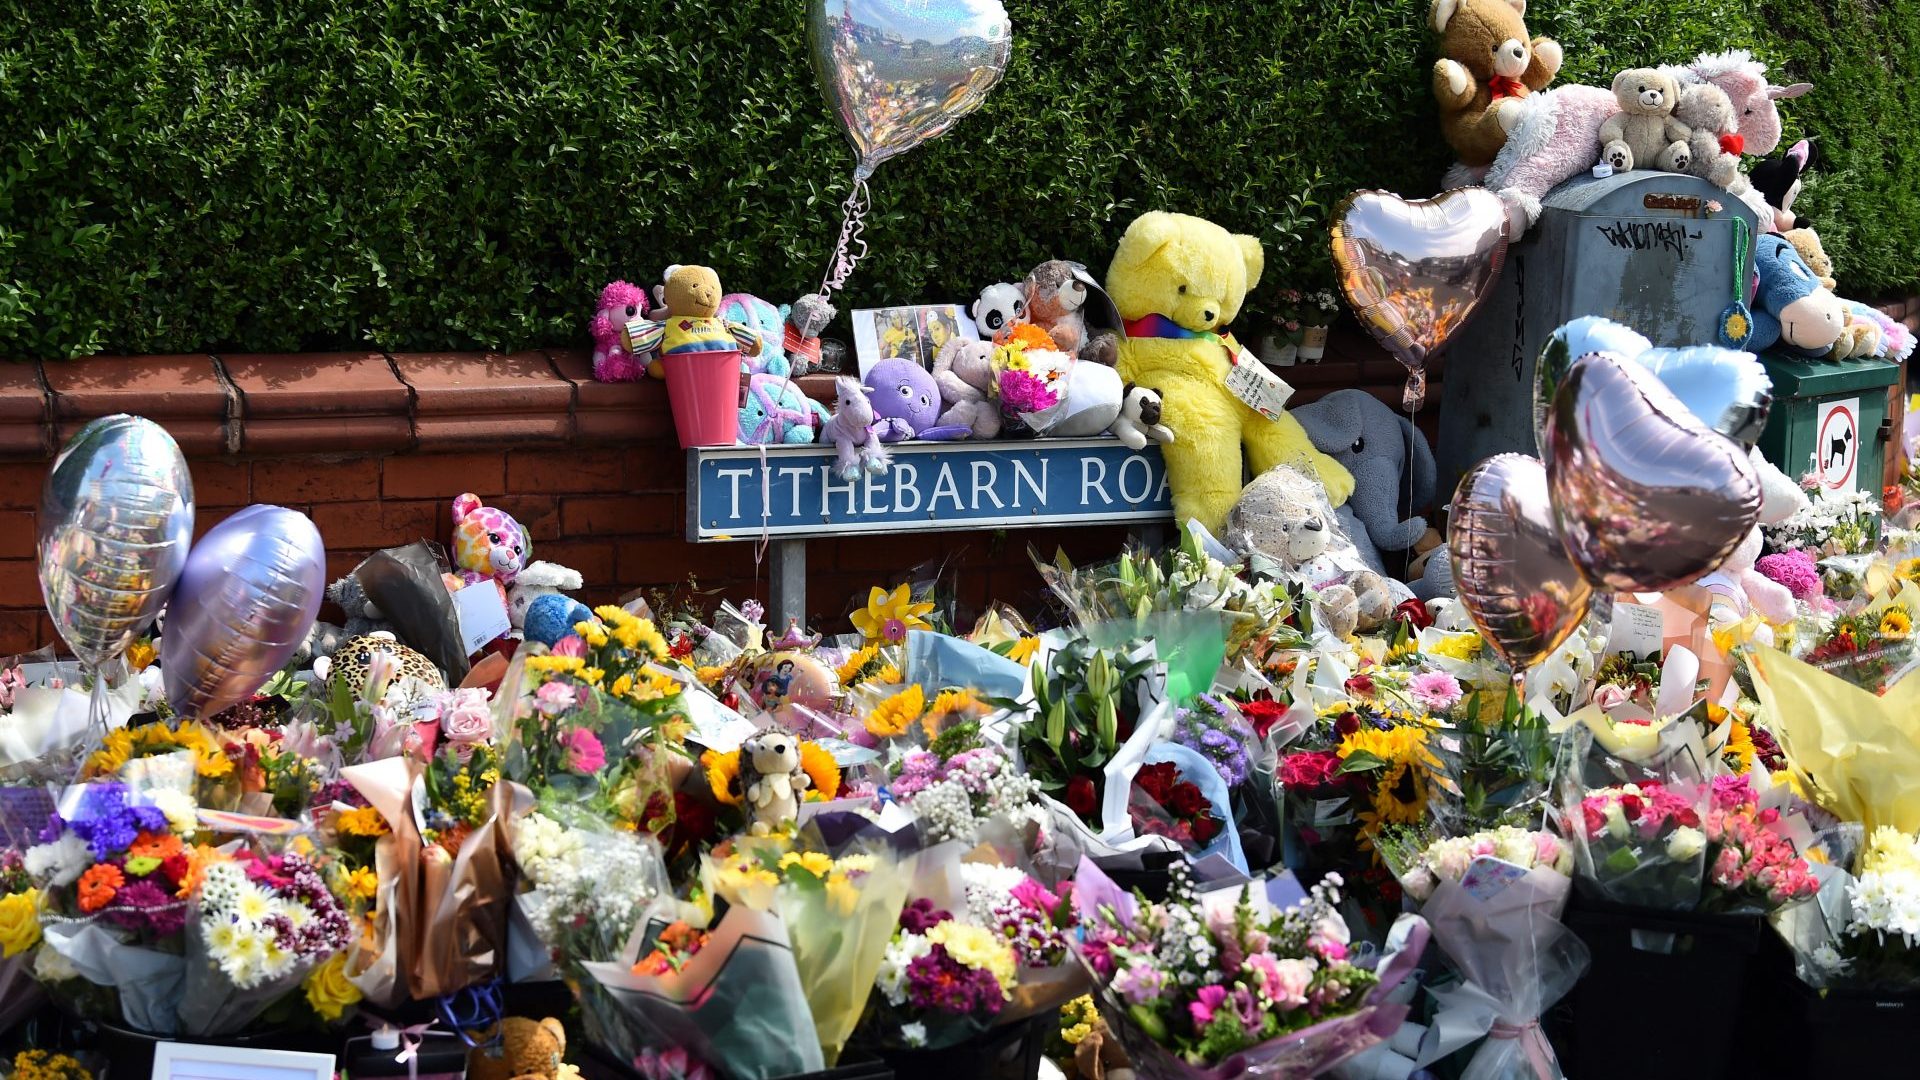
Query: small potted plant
pixel 1317 310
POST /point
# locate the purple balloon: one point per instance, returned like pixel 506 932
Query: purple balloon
pixel 245 602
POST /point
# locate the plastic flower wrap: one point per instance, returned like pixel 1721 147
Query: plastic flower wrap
pixel 20 936
pixel 261 925
pixel 1221 984
pixel 1494 900
pixel 44 716
pixel 840 903
pixel 1642 845
pixel 1872 648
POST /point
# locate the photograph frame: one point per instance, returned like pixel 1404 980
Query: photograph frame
pixel 197 1061
pixel 913 331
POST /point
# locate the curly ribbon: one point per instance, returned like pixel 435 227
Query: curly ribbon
pixel 850 249
pixel 477 1008
pixel 1532 1043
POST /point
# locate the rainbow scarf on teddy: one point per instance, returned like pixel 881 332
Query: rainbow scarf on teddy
pixel 1159 326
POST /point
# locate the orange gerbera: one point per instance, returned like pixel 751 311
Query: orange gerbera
pixel 199 858
pixel 99 885
pixel 150 846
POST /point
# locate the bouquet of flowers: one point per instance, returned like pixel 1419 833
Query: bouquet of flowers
pixel 1752 863
pixel 960 783
pixel 1642 844
pixel 1077 721
pixel 184 757
pixel 263 924
pixel 1217 985
pixel 1871 648
pixel 19 936
pixel 1038 923
pixel 1493 900
pixel 941 981
pixel 1833 523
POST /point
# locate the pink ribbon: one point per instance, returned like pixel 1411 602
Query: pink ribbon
pixel 1533 1043
pixel 410 1040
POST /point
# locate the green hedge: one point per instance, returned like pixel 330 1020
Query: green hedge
pixel 299 174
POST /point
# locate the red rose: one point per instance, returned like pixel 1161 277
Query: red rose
pixel 1347 724
pixel 1206 828
pixel 1187 800
pixel 1415 612
pixel 1688 817
pixel 1596 821
pixel 1157 780
pixel 1081 797
pixel 1262 715
pixel 1360 685
pixel 1309 770
pixel 176 868
pixel 1631 806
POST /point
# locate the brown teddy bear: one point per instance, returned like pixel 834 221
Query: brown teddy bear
pixel 691 321
pixel 1056 299
pixel 526 1050
pixel 1644 134
pixel 1488 63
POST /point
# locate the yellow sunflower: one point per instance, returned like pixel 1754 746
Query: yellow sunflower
pixel 140 655
pixel 888 617
pixel 1895 623
pixel 890 675
pixel 952 705
pixel 849 672
pixel 1908 570
pixel 820 768
pixel 1739 752
pixel 1400 788
pixel 723 772
pixel 893 716
pixel 710 675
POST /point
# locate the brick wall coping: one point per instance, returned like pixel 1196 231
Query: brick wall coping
pixel 371 402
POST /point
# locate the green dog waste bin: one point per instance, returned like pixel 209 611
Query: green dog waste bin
pixel 1829 418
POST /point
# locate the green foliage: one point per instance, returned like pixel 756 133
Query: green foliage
pixel 415 174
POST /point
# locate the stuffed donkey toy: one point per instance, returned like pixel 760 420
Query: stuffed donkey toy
pixel 1393 471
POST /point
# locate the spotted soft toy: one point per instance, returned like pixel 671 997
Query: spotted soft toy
pixel 488 544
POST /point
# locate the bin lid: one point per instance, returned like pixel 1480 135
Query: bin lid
pixel 1646 193
pixel 1798 377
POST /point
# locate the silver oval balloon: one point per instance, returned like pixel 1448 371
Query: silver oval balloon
pixel 1646 496
pixel 245 602
pixel 900 72
pixel 1586 334
pixel 1727 389
pixel 116 519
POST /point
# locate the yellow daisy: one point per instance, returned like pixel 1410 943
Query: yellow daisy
pixel 888 617
pixel 140 655
pixel 893 716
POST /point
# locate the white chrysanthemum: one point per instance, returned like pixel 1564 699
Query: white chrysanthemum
pixel 182 813
pixel 60 863
pixel 253 905
pixel 914 1034
pixel 892 977
pixel 1886 902
pixel 220 887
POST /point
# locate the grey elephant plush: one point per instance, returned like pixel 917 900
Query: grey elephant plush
pixel 1387 455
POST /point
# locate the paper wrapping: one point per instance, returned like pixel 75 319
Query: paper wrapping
pixel 737 1004
pixel 441 921
pixel 1854 754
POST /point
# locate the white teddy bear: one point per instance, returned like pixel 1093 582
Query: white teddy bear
pixel 772 778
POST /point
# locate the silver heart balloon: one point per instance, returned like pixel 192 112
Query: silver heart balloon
pixel 1509 568
pixel 116 520
pixel 1727 389
pixel 900 72
pixel 245 601
pixel 1586 334
pixel 1647 496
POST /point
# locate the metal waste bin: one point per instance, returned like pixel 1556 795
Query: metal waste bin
pixel 1829 418
pixel 1646 249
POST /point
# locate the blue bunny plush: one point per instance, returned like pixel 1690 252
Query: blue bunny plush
pixel 1387 456
pixel 1791 308
pixel 777 413
pixel 770 323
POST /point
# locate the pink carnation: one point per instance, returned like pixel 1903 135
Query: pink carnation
pixel 1794 569
pixel 1025 392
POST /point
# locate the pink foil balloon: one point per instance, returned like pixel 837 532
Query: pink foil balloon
pixel 1415 271
pixel 1648 497
pixel 1509 567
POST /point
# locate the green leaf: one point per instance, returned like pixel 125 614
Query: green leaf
pixel 1361 761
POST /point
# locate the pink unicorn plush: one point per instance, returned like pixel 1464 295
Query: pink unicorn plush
pixel 1557 134
pixel 620 302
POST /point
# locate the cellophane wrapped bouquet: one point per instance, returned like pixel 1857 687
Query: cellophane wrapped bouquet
pixel 1218 985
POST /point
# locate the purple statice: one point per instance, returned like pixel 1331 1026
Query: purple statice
pixel 921 916
pixel 145 905
pixel 938 982
pixel 1217 733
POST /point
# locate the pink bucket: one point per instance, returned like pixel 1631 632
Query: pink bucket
pixel 704 389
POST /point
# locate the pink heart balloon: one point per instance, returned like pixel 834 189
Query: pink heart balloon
pixel 1648 497
pixel 1509 568
pixel 1415 271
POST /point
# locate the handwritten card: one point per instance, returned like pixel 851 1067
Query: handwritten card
pixel 1488 877
pixel 1258 387
pixel 1636 628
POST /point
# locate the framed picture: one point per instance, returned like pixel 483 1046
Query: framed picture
pixel 913 333
pixel 189 1061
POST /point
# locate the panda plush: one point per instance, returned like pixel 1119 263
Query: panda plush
pixel 999 308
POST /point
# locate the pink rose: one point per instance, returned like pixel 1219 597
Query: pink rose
pixel 1610 696
pixel 554 698
pixel 584 753
pixel 1290 982
pixel 464 717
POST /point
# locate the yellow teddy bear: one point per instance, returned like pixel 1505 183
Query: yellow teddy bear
pixel 1178 280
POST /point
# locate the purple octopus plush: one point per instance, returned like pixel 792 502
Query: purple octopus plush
pixel 906 403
